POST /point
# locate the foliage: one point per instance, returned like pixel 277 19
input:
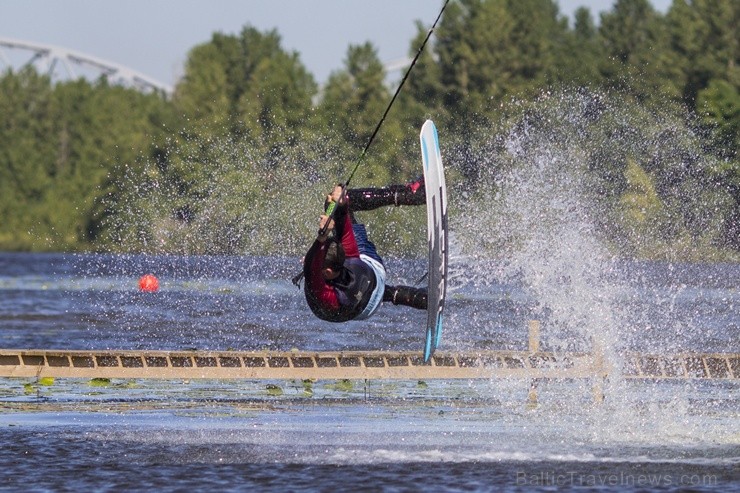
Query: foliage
pixel 60 146
pixel 238 160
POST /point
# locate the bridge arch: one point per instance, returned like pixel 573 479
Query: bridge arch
pixel 60 63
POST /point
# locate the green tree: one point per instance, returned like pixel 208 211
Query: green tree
pixel 60 145
pixel 354 99
pixel 719 109
pixel 236 91
pixel 488 51
pixel 424 90
pixel 89 165
pixel 26 154
pixel 636 42
pixel 244 86
pixel 202 96
pixel 580 52
pixel 475 57
pixel 704 35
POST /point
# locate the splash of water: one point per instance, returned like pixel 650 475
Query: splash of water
pixel 542 220
pixel 548 184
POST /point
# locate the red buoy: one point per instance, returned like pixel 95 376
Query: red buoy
pixel 148 283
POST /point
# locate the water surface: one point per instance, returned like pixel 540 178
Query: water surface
pixel 396 436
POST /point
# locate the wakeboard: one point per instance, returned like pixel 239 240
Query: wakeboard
pixel 436 201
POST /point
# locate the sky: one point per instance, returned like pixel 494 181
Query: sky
pixel 154 36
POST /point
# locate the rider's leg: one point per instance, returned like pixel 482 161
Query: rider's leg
pixel 407 296
pixel 365 199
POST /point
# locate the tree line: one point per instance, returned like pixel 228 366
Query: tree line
pixel 238 158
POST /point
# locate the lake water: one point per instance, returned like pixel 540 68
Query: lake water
pixel 393 436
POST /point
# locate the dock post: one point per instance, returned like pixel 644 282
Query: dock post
pixel 600 372
pixel 534 347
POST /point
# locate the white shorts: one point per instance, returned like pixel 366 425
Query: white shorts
pixel 377 297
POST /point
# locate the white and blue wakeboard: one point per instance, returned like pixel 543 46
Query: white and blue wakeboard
pixel 436 197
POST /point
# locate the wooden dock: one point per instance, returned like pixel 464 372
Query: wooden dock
pixel 368 365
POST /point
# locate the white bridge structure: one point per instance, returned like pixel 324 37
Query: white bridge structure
pixel 64 64
pixel 60 63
